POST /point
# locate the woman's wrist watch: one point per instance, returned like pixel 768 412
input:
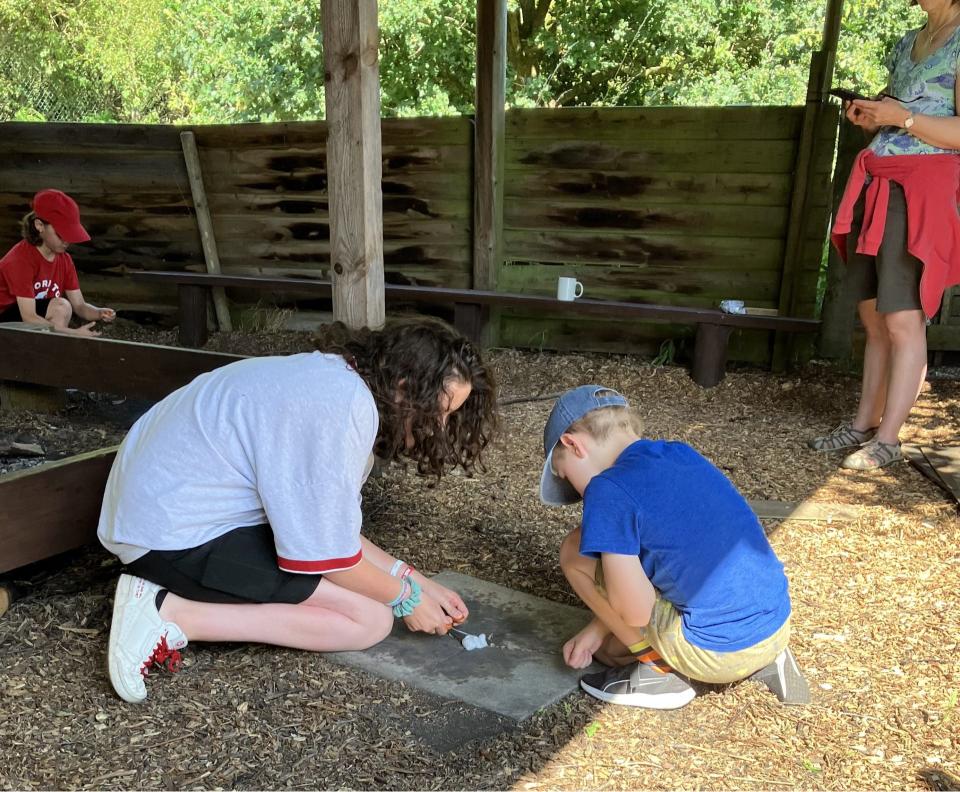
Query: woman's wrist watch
pixel 908 123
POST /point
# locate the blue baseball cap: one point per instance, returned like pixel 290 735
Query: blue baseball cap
pixel 569 408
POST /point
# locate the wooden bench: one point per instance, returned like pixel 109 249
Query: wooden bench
pixel 471 308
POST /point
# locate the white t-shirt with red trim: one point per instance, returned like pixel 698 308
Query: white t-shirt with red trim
pixel 279 440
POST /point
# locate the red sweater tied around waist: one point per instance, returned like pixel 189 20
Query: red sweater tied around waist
pixel 931 188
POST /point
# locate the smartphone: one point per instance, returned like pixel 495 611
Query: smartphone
pixel 846 95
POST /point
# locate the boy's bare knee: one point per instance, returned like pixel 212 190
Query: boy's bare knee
pixel 59 310
pixel 570 549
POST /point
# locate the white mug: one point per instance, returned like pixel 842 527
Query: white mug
pixel 569 289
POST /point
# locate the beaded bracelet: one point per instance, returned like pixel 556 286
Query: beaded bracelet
pixel 405 607
pixel 407 572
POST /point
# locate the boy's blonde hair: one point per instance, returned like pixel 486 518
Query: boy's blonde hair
pixel 603 422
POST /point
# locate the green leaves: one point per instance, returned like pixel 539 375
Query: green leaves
pixel 244 60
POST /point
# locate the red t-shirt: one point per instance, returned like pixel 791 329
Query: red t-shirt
pixel 24 272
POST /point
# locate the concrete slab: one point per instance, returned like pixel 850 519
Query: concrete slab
pixel 519 674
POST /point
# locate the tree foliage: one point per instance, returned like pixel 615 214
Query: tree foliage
pixel 210 61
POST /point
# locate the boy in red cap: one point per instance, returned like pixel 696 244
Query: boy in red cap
pixel 38 282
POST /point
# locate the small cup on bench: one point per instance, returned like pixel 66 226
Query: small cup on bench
pixel 569 289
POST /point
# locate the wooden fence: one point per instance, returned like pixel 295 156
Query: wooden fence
pixel 266 186
pixel 681 206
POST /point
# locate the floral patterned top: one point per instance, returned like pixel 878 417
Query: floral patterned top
pixel 933 80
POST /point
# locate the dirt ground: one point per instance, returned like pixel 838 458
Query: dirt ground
pixel 875 624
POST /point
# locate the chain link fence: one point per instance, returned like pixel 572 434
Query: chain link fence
pixel 29 95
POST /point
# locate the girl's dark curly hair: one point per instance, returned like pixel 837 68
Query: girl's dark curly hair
pixel 408 365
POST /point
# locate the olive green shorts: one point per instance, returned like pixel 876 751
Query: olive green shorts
pixel 893 275
pixel 665 634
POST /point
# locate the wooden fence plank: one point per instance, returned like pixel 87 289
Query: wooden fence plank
pixel 33 137
pixel 51 508
pixel 644 247
pixel 656 123
pixel 450 130
pixel 628 216
pixel 255 162
pixel 677 156
pixel 597 186
pixel 420 269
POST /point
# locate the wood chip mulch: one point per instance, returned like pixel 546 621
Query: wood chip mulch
pixel 875 628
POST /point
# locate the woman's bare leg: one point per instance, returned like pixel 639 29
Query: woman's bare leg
pixel 907 331
pixel 876 367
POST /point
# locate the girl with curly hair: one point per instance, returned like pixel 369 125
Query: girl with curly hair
pixel 235 501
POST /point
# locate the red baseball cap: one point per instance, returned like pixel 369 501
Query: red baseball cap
pixel 61 211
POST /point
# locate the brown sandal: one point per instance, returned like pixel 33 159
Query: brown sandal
pixel 873 456
pixel 844 436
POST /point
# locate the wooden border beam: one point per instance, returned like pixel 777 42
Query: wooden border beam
pixel 51 508
pixel 98 364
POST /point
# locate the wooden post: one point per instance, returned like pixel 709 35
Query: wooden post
pixel 821 73
pixel 192 158
pixel 488 142
pixel 709 365
pixel 352 88
pixel 839 308
pixel 192 330
pixel 469 319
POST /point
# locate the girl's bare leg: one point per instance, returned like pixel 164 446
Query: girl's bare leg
pixel 332 619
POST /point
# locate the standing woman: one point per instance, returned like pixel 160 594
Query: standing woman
pixel 38 281
pixel 898 229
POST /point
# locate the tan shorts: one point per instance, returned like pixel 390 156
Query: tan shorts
pixel 665 634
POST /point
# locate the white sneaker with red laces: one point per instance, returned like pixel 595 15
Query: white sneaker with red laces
pixel 139 638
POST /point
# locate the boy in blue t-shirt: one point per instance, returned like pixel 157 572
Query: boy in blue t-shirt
pixel 670 559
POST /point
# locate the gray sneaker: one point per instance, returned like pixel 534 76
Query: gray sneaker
pixel 842 438
pixel 784 679
pixel 639 685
